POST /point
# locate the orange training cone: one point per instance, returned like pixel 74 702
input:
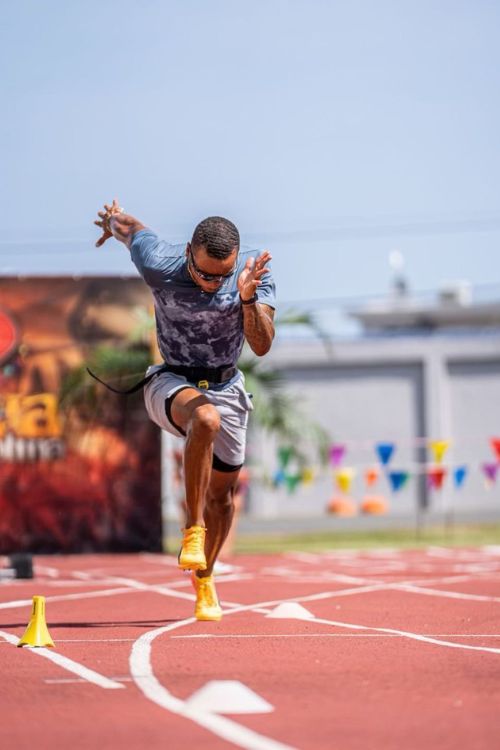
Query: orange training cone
pixel 37 633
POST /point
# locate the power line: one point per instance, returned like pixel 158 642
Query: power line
pixel 348 232
pixel 356 298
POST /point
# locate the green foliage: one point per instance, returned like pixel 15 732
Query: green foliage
pixel 121 367
pixel 278 414
pixel 306 319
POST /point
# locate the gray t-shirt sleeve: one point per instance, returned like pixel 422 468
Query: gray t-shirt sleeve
pixel 266 292
pixel 153 258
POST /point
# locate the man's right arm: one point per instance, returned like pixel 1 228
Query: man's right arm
pixel 123 227
pixel 115 223
pixel 150 255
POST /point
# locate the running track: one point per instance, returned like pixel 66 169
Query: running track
pixel 388 649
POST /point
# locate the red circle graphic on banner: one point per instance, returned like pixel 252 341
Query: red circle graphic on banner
pixel 8 336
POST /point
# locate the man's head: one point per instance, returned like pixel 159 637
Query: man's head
pixel 212 252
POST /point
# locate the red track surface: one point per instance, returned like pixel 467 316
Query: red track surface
pixel 402 651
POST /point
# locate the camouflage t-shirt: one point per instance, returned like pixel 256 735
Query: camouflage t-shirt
pixel 194 327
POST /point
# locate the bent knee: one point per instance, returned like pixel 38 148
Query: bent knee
pixel 205 420
pixel 222 503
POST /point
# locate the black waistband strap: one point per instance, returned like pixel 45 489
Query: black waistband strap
pixel 214 375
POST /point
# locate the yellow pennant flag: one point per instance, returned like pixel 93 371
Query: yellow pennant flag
pixel 307 475
pixel 439 448
pixel 343 478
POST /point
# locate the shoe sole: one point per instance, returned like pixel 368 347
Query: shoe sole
pixel 192 565
pixel 208 618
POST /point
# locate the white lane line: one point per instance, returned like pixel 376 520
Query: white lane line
pixel 66 597
pixel 410 588
pixel 79 680
pixel 491 549
pixel 46 570
pixel 330 635
pixel 260 606
pixel 168 560
pixel 438 581
pixel 353 626
pixel 142 672
pixel 71 666
pixel 95 640
pixel 407 634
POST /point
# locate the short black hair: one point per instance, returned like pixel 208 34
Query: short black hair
pixel 217 235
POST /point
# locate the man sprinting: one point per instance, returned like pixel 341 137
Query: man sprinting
pixel 209 297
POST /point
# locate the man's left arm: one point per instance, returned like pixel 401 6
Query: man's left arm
pixel 258 318
pixel 258 327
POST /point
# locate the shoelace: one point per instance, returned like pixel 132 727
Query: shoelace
pixel 193 542
pixel 207 592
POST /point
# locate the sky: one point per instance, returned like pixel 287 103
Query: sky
pixel 330 132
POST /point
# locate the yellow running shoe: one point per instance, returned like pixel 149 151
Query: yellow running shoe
pixel 192 554
pixel 207 605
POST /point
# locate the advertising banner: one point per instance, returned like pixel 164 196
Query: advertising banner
pixel 79 465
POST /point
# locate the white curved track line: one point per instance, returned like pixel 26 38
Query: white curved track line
pixel 142 671
pixel 143 675
pixel 71 666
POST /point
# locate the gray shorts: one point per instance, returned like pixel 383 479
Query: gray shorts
pixel 232 402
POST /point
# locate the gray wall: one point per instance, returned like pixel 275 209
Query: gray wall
pixel 475 414
pixel 391 389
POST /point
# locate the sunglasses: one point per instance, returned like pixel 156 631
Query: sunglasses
pixel 209 276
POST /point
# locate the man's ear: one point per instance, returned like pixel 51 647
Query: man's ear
pixel 188 248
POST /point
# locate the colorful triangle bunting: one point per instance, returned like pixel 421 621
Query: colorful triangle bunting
pixel 337 452
pixel 439 448
pixel 490 471
pixel 436 476
pixel 371 476
pixel 343 478
pixel 495 447
pixel 459 475
pixel 398 479
pixel 384 452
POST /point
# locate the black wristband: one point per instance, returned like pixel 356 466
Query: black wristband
pixel 250 301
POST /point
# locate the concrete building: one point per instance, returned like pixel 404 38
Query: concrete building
pixel 419 371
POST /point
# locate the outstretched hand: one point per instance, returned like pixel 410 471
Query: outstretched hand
pixel 250 278
pixel 105 216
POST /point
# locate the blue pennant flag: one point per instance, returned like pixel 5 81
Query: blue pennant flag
pixel 398 479
pixel 384 452
pixel 279 477
pixel 459 475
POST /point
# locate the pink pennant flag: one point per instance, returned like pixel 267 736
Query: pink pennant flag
pixel 337 452
pixel 490 471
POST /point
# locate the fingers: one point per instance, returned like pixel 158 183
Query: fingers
pixel 102 239
pixel 257 267
pixel 103 221
pixel 263 258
